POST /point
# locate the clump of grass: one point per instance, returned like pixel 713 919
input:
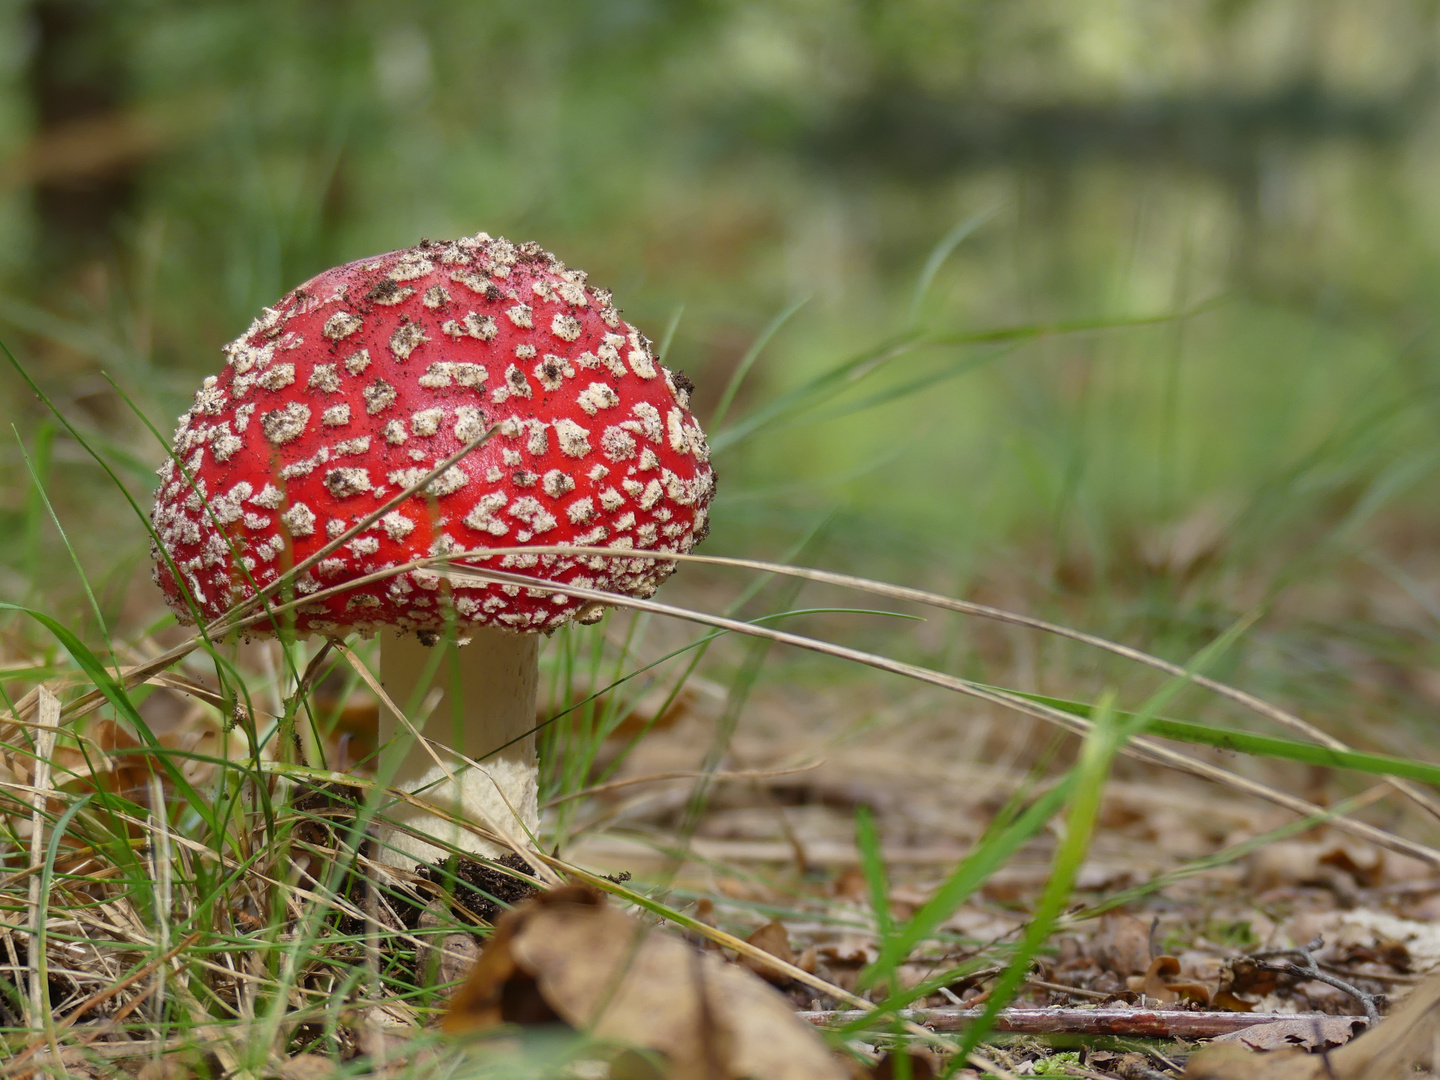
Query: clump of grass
pixel 203 887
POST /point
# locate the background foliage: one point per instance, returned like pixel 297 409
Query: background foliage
pixel 1264 167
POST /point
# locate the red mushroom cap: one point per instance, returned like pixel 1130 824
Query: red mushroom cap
pixel 366 377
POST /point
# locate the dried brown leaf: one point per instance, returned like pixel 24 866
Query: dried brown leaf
pixel 1230 1062
pixel 1156 983
pixel 1393 1047
pixel 1300 1033
pixel 604 972
pixel 773 938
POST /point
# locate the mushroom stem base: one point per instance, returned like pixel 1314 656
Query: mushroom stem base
pixel 486 699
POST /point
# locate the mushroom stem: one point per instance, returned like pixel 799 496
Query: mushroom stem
pixel 488 700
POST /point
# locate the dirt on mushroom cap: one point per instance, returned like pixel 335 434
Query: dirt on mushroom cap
pixel 362 380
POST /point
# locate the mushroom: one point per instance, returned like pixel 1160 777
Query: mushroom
pixel 358 384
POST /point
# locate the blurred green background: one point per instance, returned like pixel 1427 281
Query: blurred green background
pixel 1264 172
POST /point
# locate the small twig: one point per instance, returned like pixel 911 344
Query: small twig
pixel 1307 970
pixel 1115 1021
pixel 1073 991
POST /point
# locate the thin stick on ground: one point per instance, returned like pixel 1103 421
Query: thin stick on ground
pixel 1128 1023
pixel 1299 964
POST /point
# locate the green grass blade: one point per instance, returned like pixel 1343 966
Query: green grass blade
pixel 115 693
pixel 835 380
pixel 1091 772
pixel 34 553
pixel 942 251
pixel 817 390
pixel 1243 742
pixel 919 384
pixel 669 335
pixel 972 873
pixel 47 877
pixel 872 863
pixel 742 369
pixel 70 550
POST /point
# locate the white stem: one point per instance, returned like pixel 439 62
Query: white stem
pixel 488 701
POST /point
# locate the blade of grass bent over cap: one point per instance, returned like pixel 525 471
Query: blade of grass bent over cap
pixel 1143 748
pixel 966 607
pixel 235 618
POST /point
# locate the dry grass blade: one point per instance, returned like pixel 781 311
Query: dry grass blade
pixel 140 673
pixel 358 666
pixel 450 562
pixel 1145 749
pixel 143 672
pixel 39 1005
pixel 100 997
pixel 964 607
pixel 1140 747
pixel 313 559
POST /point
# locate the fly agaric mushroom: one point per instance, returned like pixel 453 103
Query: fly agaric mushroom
pixel 357 385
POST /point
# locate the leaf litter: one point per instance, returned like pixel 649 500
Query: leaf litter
pixel 773 860
pixel 570 956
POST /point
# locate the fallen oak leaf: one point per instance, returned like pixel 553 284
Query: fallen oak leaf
pixel 599 970
pixel 1310 1033
pixel 1391 1048
pixel 1245 975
